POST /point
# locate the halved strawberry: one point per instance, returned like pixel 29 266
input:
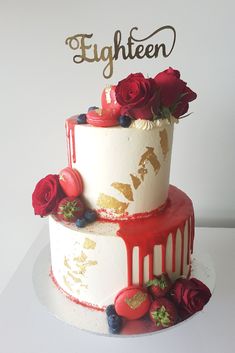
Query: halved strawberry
pixel 159 285
pixel 70 209
pixel 163 313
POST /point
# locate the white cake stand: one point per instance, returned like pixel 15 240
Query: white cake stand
pixel 96 321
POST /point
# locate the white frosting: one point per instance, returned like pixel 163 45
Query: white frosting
pixel 144 124
pixel 110 155
pixel 103 266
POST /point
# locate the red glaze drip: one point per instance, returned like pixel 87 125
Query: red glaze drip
pixel 174 250
pixel 151 265
pixel 182 227
pixel 189 240
pixel 70 125
pixel 192 232
pixel 148 232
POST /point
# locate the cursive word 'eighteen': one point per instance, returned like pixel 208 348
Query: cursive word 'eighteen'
pixel 133 48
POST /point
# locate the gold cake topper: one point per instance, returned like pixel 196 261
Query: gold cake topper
pixel 134 48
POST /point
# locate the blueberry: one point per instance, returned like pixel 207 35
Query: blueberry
pixel 115 323
pixel 90 215
pixel 81 222
pixel 92 108
pixel 110 310
pixel 124 121
pixel 81 119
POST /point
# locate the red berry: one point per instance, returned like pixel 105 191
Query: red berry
pixel 70 209
pixel 159 286
pixel 71 182
pixel 163 313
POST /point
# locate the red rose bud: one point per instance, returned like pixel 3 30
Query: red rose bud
pixel 190 295
pixel 47 195
pixel 163 313
pixel 159 286
pixel 70 209
pixel 102 118
pixel 138 96
pixel 132 302
pixel 71 182
pixel 109 102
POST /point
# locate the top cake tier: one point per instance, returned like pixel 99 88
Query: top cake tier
pixel 125 171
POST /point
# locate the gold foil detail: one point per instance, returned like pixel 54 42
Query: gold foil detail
pixel 106 201
pixel 151 157
pixel 75 279
pixel 135 181
pixel 164 142
pixel 66 264
pixel 125 189
pixel 137 299
pixel 142 171
pixel 67 283
pixel 81 258
pixel 81 269
pixel 92 263
pixel 89 244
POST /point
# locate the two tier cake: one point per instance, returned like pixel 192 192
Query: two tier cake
pixel 119 234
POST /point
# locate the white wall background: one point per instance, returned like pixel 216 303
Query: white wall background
pixel 41 86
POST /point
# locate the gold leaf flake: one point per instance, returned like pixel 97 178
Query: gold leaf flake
pixel 81 258
pixel 89 244
pixel 135 181
pixel 142 171
pixel 92 263
pixel 150 156
pixel 67 283
pixel 125 189
pixel 75 279
pixel 106 201
pixel 66 264
pixel 164 142
pixel 137 299
pixel 81 269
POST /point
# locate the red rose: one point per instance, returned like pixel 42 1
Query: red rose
pixel 138 96
pixel 47 195
pixel 190 295
pixel 174 93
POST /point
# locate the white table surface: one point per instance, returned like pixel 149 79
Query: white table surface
pixel 27 327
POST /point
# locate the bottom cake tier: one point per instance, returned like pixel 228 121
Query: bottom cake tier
pixel 92 264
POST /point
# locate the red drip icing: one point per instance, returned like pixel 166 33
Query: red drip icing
pixel 151 266
pixel 174 250
pixel 70 125
pixel 129 264
pixel 164 257
pixel 192 231
pixel 141 266
pixel 189 240
pixel 148 232
pixel 182 227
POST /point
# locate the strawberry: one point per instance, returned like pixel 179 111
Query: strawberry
pixel 163 313
pixel 70 209
pixel 159 286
